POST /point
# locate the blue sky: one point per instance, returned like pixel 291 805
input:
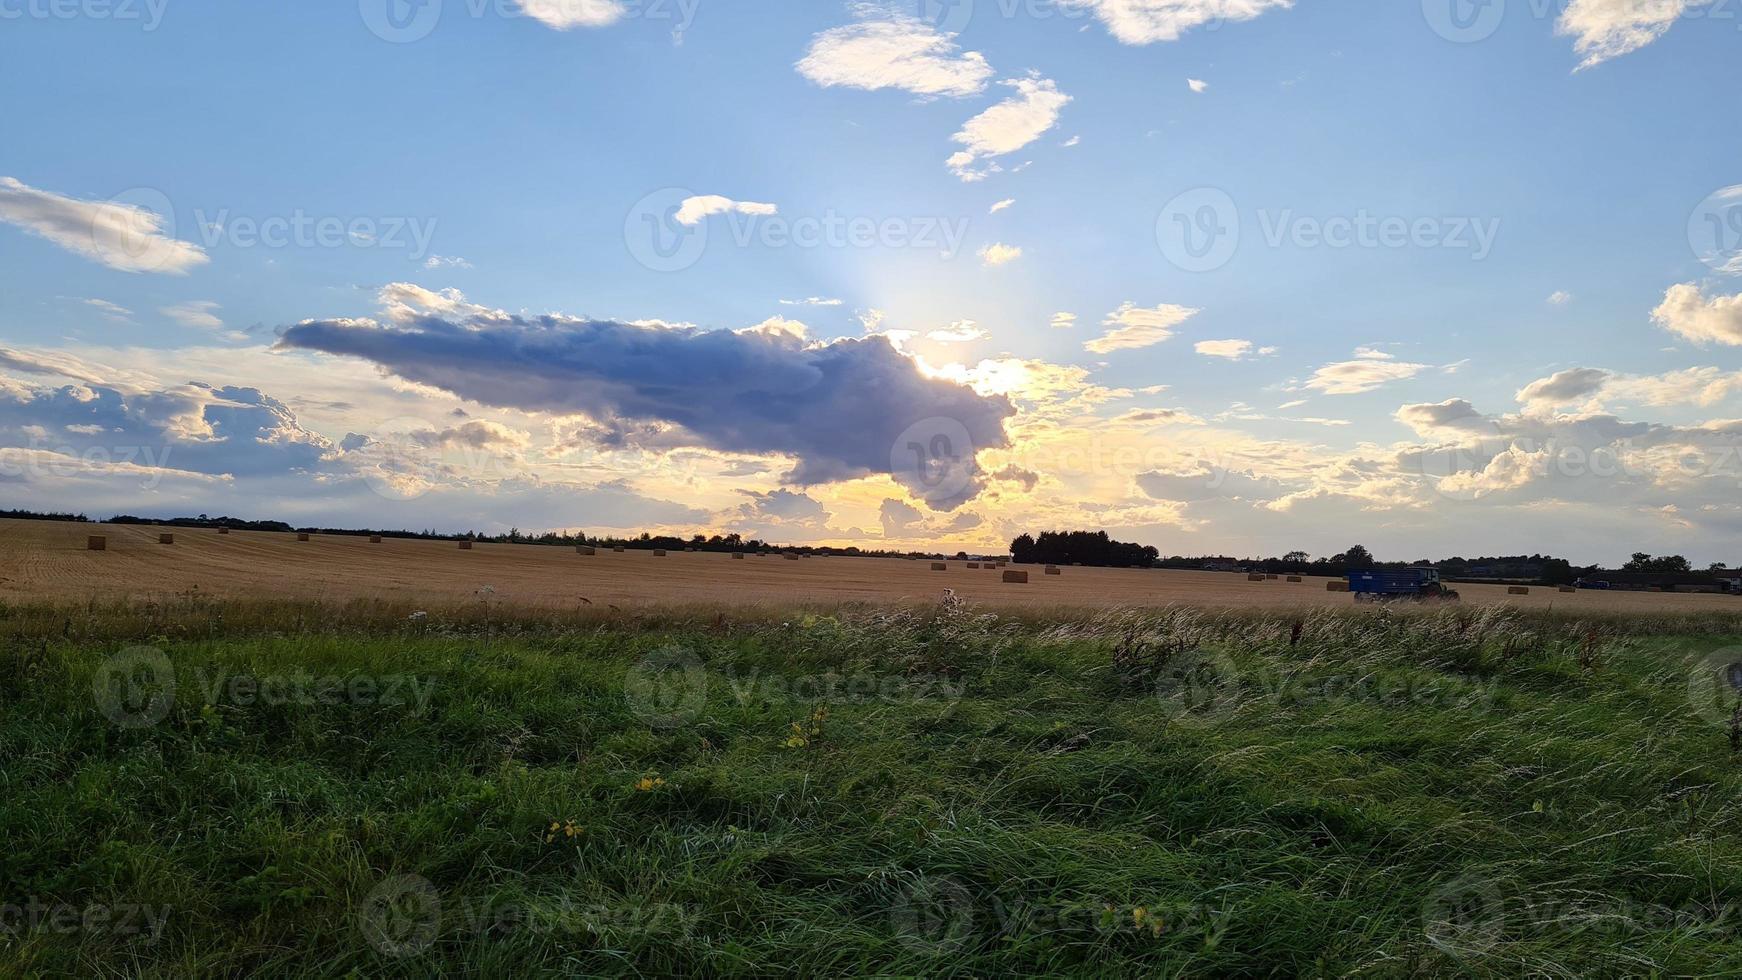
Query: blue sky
pixel 1548 176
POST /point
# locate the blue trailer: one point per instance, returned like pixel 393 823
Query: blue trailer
pixel 1408 583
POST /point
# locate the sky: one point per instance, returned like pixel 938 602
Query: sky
pixel 1441 277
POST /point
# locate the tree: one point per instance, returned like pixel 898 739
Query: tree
pixel 1296 557
pixel 1358 557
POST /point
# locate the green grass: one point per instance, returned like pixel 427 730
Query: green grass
pixel 1168 792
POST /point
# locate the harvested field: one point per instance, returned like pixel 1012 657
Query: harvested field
pixel 41 560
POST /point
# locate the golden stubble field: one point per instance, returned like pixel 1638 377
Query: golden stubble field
pixel 42 560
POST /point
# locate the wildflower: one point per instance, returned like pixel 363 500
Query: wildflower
pixel 648 784
pixel 566 828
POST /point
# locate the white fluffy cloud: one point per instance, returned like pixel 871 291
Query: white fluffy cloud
pixel 567 14
pixel 1064 321
pixel 1001 205
pixel 1135 327
pixel 1149 21
pixel 1687 312
pixel 1197 85
pixel 998 253
pixel 1007 127
pixel 1369 370
pixel 1604 29
pixel 121 236
pixel 696 209
pixel 890 49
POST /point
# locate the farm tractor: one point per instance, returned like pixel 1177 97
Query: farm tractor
pixel 1416 584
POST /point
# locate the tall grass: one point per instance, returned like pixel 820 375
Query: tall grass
pixel 226 787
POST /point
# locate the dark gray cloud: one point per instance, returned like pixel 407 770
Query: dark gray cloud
pixel 195 428
pixel 843 410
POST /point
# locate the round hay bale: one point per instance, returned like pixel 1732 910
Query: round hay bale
pixel 374 539
pixel 618 549
pixel 737 556
pixel 465 546
pixel 581 549
pixel 659 552
pixel 938 566
pixel 96 542
pixel 302 536
pixel 223 530
pixel 792 556
pixel 973 564
pixel 166 539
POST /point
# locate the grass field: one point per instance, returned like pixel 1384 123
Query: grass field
pixel 205 787
pixel 42 560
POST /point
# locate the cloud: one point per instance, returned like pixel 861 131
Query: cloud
pixel 124 237
pixel 1689 386
pixel 1001 205
pixel 783 507
pixel 812 301
pixel 1208 482
pixel 1012 473
pixel 1233 350
pixel 838 409
pixel 890 49
pixel 1064 321
pixel 1560 297
pixel 695 209
pixel 1136 327
pixel 1369 370
pixel 1073 141
pixel 1007 127
pixel 446 262
pixel 1563 386
pixel 194 427
pixel 196 313
pixel 998 253
pixel 1197 85
pixel 1604 29
pixel 1685 311
pixel 110 311
pixel 897 516
pixel 1149 21
pixel 960 332
pixel 565 15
